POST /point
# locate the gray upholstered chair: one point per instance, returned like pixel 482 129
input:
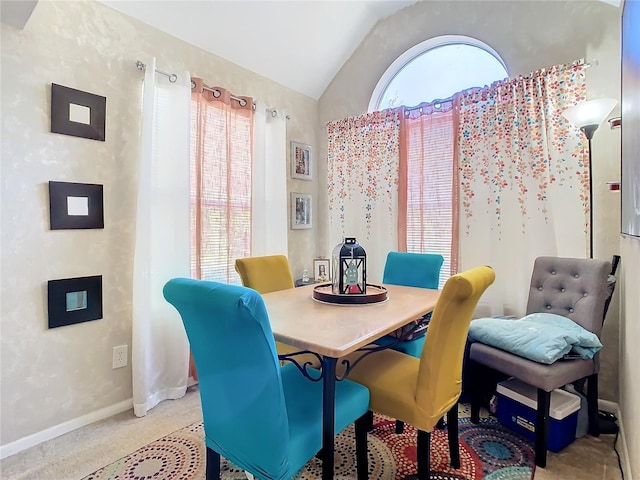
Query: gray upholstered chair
pixel 575 288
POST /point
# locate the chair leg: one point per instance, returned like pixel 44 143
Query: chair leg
pixel 440 425
pixel 476 392
pixel 592 405
pixel 424 455
pixel 542 427
pixel 362 460
pixel 399 426
pixel 368 421
pixel 213 465
pixel 452 433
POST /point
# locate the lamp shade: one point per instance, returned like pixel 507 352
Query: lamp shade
pixel 592 112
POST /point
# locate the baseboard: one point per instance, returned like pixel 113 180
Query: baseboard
pixel 622 440
pixel 65 427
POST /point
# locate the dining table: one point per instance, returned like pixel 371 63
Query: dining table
pixel 333 331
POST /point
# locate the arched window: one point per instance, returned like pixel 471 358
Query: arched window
pixel 433 70
pixel 436 69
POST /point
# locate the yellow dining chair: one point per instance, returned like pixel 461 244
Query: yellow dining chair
pixel 267 274
pixel 419 391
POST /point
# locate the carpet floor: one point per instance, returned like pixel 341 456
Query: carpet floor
pixel 487 451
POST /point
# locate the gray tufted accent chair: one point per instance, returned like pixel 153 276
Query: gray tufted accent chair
pixel 575 288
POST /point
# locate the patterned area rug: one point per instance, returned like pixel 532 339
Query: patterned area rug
pixel 487 451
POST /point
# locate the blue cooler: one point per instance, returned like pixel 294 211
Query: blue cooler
pixel 517 404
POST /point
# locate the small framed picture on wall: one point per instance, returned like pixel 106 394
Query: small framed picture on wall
pixel 74 300
pixel 301 161
pixel 300 211
pixel 77 113
pixel 75 205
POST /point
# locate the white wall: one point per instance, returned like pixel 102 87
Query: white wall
pixel 54 376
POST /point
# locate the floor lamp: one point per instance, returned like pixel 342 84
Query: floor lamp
pixel 588 116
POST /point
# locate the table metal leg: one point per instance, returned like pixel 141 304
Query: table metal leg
pixel 328 415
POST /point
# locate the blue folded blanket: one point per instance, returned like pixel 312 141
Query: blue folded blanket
pixel 541 337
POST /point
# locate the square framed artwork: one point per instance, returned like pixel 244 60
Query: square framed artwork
pixel 301 211
pixel 75 205
pixel 301 161
pixel 321 270
pixel 77 113
pixel 74 300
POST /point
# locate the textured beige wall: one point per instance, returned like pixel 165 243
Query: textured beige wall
pixel 53 376
pixel 528 35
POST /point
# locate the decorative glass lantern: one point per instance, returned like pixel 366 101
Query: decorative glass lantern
pixel 349 267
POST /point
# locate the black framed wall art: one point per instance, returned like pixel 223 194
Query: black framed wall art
pixel 75 205
pixel 74 300
pixel 77 113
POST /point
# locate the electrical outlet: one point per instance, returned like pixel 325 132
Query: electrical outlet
pixel 120 356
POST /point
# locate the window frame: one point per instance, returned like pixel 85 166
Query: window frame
pixel 411 54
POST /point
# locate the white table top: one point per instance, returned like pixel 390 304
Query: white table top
pixel 337 330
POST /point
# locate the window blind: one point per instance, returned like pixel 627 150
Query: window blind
pixel 430 159
pixel 221 159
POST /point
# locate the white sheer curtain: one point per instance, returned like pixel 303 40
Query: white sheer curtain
pixel 160 350
pixel 269 220
pixel 363 159
pixel 524 178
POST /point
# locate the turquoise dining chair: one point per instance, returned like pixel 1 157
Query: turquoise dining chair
pixel 272 273
pixel 264 418
pixel 411 270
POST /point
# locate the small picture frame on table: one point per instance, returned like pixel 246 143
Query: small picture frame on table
pixel 301 161
pixel 301 214
pixel 321 270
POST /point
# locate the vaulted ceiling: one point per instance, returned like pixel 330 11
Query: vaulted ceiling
pixel 299 44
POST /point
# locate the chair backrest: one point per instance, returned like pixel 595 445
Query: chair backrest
pixel 243 403
pixel 266 274
pixel 413 269
pixel 440 376
pixel 615 260
pixel 576 288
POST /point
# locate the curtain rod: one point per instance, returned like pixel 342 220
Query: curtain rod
pixel 173 77
pixel 274 113
pixel 437 104
pixel 217 93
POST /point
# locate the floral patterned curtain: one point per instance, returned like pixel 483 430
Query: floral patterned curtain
pixel 524 179
pixel 363 184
